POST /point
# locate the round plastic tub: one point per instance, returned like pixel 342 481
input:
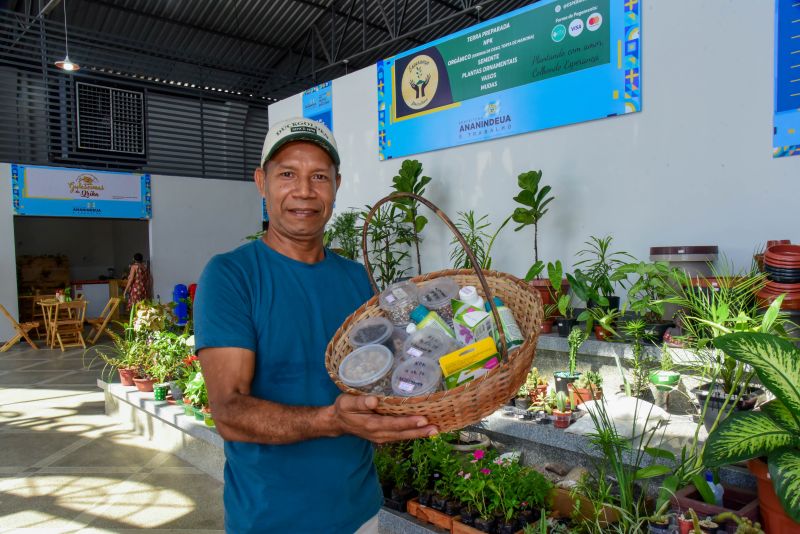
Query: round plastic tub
pixel 372 331
pixel 437 294
pixel 416 376
pixel 367 369
pixel 429 342
pixel 398 301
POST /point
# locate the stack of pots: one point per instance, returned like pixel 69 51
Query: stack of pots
pixel 782 265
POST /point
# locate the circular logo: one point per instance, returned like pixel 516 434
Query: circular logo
pixel 576 27
pixel 558 8
pixel 594 21
pixel 420 81
pixel 558 33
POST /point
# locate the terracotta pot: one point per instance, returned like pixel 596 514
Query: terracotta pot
pixel 561 419
pixel 600 333
pixel 773 517
pixel 582 395
pixel 543 286
pixel 126 375
pixel 784 250
pixel 547 326
pixel 144 385
pixel 773 242
pixel 563 505
pixel 539 393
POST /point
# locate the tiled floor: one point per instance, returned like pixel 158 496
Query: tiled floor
pixel 66 467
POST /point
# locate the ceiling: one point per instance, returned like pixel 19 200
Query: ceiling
pixel 266 49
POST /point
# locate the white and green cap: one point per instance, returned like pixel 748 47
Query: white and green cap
pixel 298 129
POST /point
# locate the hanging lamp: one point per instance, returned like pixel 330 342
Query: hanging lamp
pixel 66 64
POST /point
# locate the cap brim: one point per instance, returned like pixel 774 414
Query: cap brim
pixel 303 136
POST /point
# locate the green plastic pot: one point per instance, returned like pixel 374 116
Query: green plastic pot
pixel 160 391
pixel 665 380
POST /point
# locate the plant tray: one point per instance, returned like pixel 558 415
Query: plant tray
pixel 430 515
pixel 740 501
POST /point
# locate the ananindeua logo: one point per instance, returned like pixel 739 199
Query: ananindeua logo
pixel 420 81
pixel 86 186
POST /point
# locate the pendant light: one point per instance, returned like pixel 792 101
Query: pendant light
pixel 66 64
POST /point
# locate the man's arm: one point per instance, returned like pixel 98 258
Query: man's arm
pixel 241 417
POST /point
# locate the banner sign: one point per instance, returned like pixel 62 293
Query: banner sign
pixel 64 192
pixel 549 64
pixel 318 104
pixel 786 130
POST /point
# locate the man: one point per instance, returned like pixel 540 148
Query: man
pixel 298 453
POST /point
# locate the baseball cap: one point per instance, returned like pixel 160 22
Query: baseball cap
pixel 298 129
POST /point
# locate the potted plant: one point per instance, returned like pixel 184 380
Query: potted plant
pixel 602 321
pixel 560 305
pixel 343 235
pixel 658 524
pixel 666 377
pixel 561 414
pixel 534 198
pixel 771 432
pixel 523 398
pixel 168 352
pixel 599 264
pixel 536 385
pixel 647 293
pixel 587 387
pixel 409 179
pixel 575 339
pixel 126 355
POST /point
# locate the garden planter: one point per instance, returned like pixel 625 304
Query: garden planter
pixel 188 409
pixel 126 375
pixel 601 334
pixel 563 505
pixel 748 401
pixel 685 526
pixel 658 528
pixel 665 380
pixel 773 518
pixel 563 379
pixel 741 502
pixel 543 286
pixel 565 325
pixel 198 413
pixel 160 391
pixel 561 419
pixel 145 385
pixel 547 326
pixel 581 395
pixel 429 515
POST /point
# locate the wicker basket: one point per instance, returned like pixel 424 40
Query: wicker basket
pixel 469 403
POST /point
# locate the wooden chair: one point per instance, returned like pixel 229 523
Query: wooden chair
pixel 21 330
pixel 99 324
pixel 37 312
pixel 69 331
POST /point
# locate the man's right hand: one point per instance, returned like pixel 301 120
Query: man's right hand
pixel 355 414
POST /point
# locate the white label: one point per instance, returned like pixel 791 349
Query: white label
pixel 402 385
pixel 414 351
pixel 390 298
pixel 399 293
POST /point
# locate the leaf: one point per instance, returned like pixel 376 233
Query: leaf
pixel 781 415
pixel 668 489
pixel 772 313
pixel 652 471
pixel 775 360
pixel 745 435
pixel 420 223
pixel 704 489
pixel 526 198
pixel 784 469
pixel 658 452
pixel 534 271
pixel 523 217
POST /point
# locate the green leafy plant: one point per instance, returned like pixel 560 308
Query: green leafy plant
pixel 575 339
pixel 599 264
pixel 388 244
pixel 652 285
pixel 641 363
pixel 603 317
pixel 534 380
pixel 561 401
pixel 168 350
pixel 534 199
pixel 476 234
pixel 194 389
pixel 774 431
pixel 410 180
pixel 129 349
pixel 343 234
pixel 589 379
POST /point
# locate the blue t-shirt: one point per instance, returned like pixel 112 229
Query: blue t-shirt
pixel 286 311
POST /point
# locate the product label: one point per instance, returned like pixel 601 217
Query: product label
pixel 405 385
pixel 390 298
pixel 399 293
pixel 414 351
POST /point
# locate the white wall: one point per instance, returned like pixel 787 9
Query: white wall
pixel 695 167
pixel 8 262
pixel 193 219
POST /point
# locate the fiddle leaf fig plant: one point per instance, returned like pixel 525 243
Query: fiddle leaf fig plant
pixel 774 431
pixel 534 199
pixel 410 180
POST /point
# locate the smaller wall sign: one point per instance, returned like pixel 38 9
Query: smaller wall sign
pixel 318 104
pixel 786 126
pixel 65 192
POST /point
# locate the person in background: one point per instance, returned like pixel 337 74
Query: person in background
pixel 138 287
pixel 297 450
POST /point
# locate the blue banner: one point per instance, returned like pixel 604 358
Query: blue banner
pixel 65 192
pixel 318 104
pixel 786 131
pixel 553 63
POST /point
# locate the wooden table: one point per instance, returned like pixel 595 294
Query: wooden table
pixel 48 312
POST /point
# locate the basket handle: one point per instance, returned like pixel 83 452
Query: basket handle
pixel 475 265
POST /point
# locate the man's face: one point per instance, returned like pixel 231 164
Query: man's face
pixel 299 184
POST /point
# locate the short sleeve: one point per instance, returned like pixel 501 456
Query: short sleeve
pixel 222 307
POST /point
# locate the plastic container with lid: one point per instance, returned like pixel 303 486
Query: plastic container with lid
pixel 367 369
pixel 372 331
pixel 469 295
pixel 398 301
pixel 437 294
pixel 416 376
pixel 428 342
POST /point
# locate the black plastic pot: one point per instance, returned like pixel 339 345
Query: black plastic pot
pixel 562 379
pixel 526 517
pixel 485 525
pixel 658 528
pixel 523 403
pixel 752 396
pixel 397 498
pixel 565 325
pixel 467 516
pixel 452 507
pixel 613 303
pixel 425 498
pixel 438 502
pixel 507 528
